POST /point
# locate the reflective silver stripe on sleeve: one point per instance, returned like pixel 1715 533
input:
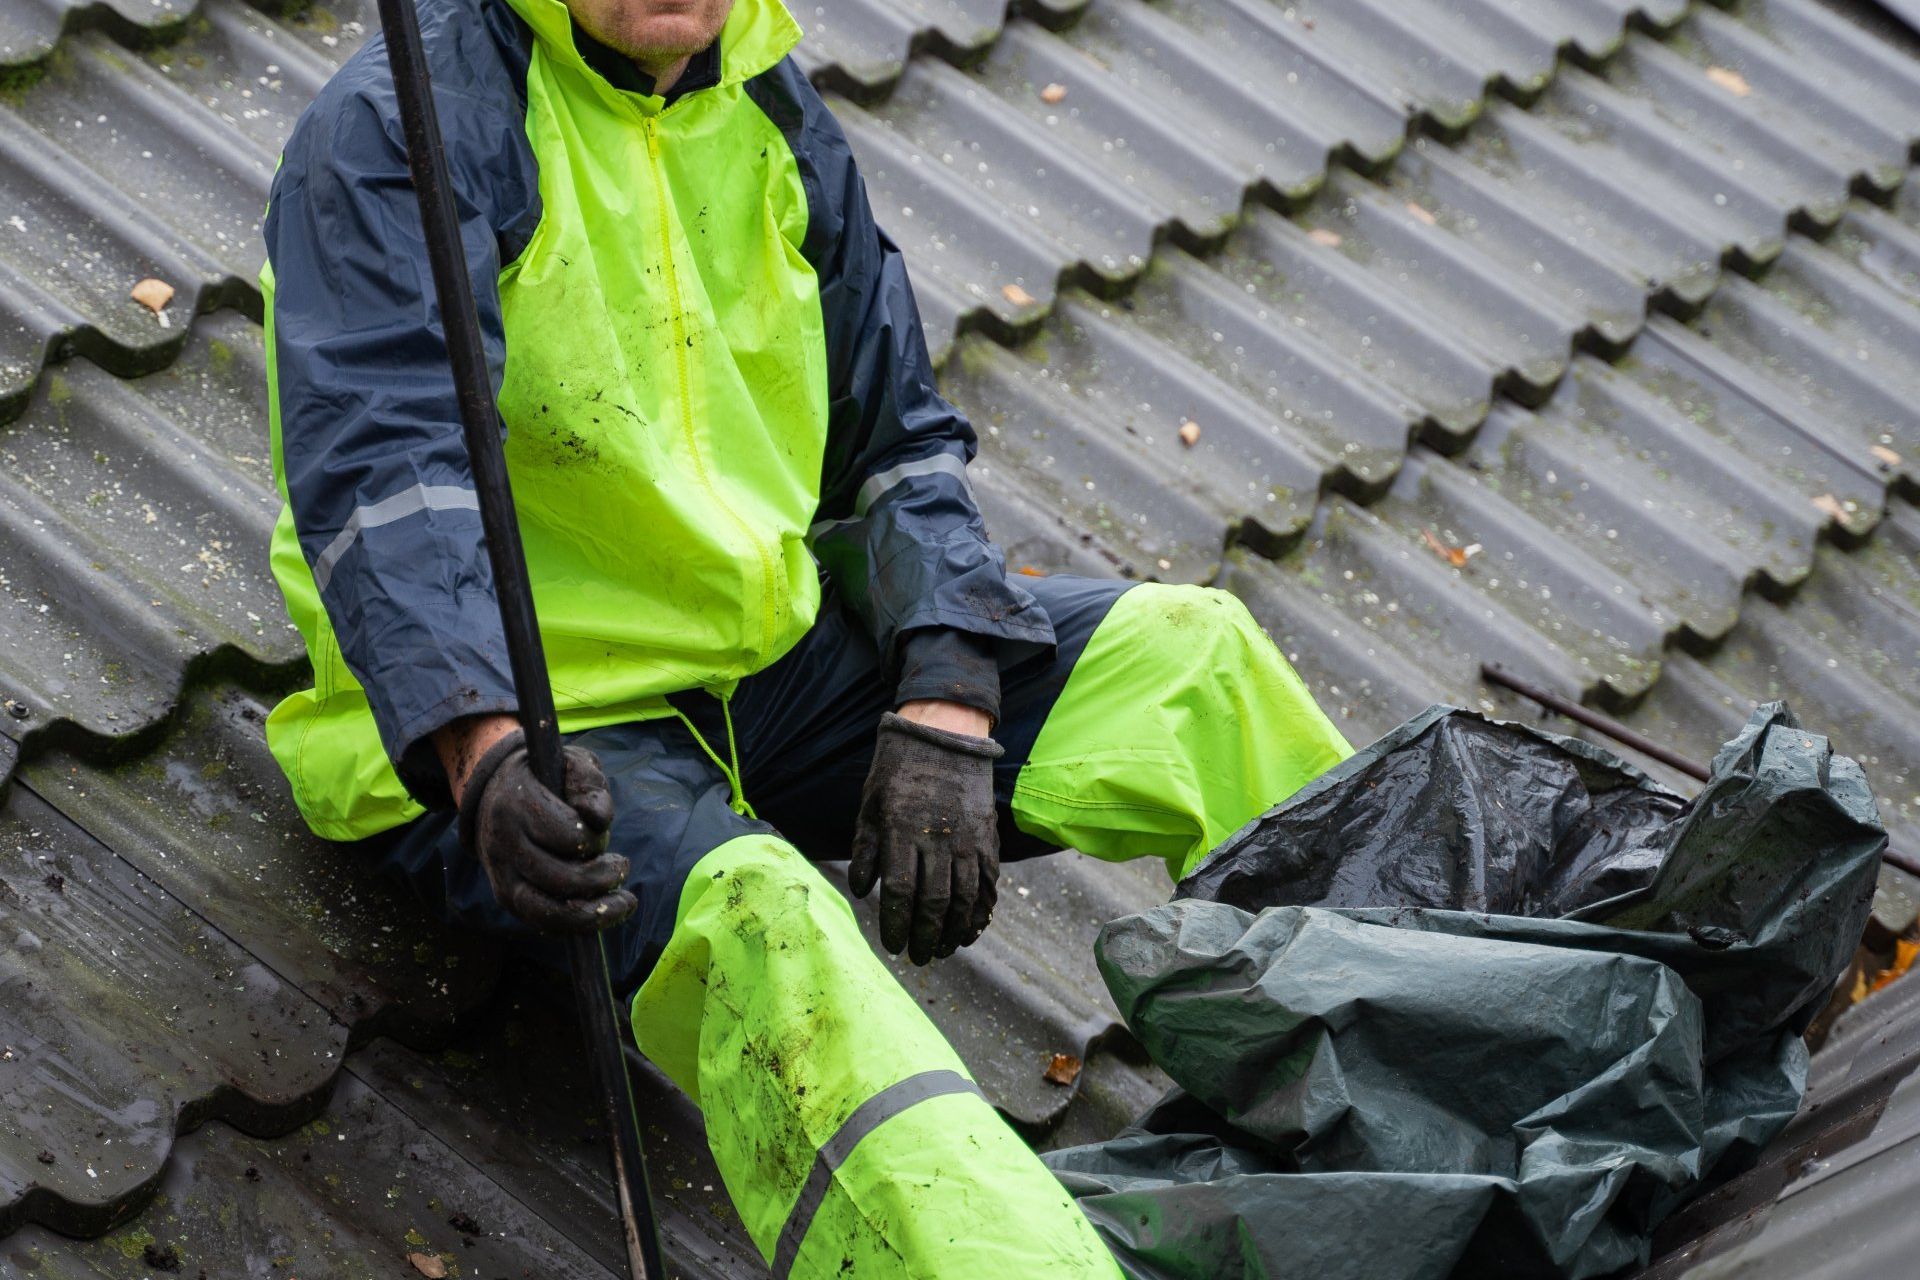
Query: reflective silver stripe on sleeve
pixel 880 482
pixel 868 1116
pixel 422 497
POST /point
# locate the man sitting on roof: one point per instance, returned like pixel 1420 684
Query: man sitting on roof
pixel 775 626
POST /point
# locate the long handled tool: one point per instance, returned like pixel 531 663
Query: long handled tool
pixel 480 418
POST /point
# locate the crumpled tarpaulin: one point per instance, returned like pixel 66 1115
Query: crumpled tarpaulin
pixel 1481 1001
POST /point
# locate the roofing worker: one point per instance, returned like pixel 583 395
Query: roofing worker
pixel 775 627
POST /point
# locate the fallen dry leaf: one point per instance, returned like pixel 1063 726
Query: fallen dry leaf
pixel 1455 556
pixel 153 294
pixel 1189 433
pixel 1421 212
pixel 1053 93
pixel 1064 1069
pixel 430 1265
pixel 1031 572
pixel 1017 296
pixel 1730 80
pixel 1886 456
pixel 1832 506
pixel 1904 954
pixel 1322 236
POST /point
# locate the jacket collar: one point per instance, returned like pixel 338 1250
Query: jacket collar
pixel 758 33
pixel 618 70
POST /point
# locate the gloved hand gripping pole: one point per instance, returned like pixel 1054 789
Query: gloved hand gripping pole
pixel 480 419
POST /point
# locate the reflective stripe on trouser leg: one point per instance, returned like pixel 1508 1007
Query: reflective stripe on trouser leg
pixel 847 1130
pixel 1179 724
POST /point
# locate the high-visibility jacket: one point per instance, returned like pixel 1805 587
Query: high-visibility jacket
pixel 708 363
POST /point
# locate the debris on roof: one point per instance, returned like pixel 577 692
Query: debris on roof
pixel 1496 983
pixel 1537 278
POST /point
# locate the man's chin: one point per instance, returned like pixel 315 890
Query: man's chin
pixel 662 38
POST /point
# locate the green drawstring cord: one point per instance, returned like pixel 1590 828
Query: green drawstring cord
pixel 739 802
pixel 740 805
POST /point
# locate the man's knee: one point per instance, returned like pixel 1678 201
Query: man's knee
pixel 1180 721
pixel 1190 621
pixel 756 918
pixel 1191 643
pixel 1222 671
pixel 764 886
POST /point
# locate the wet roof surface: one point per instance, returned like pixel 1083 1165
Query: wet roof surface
pixel 1575 336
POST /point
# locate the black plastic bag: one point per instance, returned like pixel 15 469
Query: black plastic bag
pixel 1479 1001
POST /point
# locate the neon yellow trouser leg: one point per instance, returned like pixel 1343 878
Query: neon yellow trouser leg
pixel 1180 723
pixel 848 1133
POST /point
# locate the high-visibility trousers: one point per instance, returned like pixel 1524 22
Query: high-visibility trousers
pixel 850 1135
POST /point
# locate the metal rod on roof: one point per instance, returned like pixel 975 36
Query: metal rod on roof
pixel 480 420
pixel 1626 737
pixel 1594 720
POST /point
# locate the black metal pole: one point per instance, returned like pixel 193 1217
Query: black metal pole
pixel 480 419
pixel 1638 742
pixel 1594 720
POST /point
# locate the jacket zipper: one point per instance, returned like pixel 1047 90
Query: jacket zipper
pixel 769 607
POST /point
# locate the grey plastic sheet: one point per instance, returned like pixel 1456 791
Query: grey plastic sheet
pixel 1481 1001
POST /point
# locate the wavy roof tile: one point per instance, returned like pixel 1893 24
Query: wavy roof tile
pixel 156 163
pixel 1622 295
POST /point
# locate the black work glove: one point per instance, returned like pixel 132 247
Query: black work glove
pixel 927 833
pixel 545 857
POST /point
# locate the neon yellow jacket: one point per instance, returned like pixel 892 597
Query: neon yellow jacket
pixel 710 370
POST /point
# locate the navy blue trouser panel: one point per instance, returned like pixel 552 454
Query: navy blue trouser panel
pixel 805 730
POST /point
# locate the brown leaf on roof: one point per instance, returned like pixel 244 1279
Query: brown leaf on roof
pixel 1064 1069
pixel 1053 93
pixel 1886 456
pixel 430 1265
pixel 1422 212
pixel 1905 952
pixel 1189 433
pixel 1832 506
pixel 1322 236
pixel 1017 296
pixel 1730 80
pixel 1455 556
pixel 153 294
